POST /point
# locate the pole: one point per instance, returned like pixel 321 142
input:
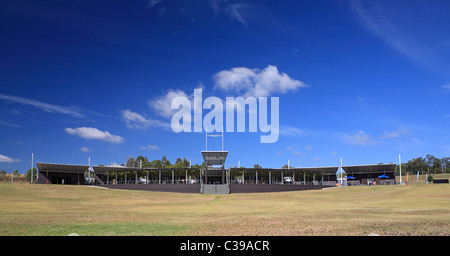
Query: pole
pixel 400 167
pixel 89 170
pixel 32 158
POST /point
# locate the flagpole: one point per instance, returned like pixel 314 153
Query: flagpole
pixel 400 167
pixel 32 156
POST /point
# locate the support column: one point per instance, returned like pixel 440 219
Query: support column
pixel 173 181
pixel 270 177
pixel 159 181
pixel 206 174
pixel 256 176
pixel 223 174
pixel 282 177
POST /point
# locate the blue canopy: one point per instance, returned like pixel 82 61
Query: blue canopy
pixel 383 176
pixel 351 178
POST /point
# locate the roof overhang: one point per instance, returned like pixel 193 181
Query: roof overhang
pixel 375 168
pixel 65 168
pixel 214 157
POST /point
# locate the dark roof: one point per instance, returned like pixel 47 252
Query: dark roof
pixel 377 168
pixel 67 168
pixel 333 169
pixel 214 157
pixel 326 170
pixel 103 169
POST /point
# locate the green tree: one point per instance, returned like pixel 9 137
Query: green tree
pixel 28 174
pixel 131 162
pixel 165 163
pixel 156 164
pixel 145 162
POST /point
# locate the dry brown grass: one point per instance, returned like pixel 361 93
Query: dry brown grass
pixel 386 210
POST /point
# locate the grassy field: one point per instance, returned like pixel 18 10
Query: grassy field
pixel 417 209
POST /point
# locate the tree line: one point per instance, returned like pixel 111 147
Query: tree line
pixel 428 164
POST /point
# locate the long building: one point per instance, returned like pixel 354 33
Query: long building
pixel 380 174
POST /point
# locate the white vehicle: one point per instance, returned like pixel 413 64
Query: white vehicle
pixel 142 181
pixel 191 181
pixel 288 179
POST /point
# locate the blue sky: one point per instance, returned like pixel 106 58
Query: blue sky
pixel 83 79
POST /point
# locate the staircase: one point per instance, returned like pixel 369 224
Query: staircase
pixel 215 189
pixel 98 180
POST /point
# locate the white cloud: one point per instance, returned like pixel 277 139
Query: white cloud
pixel 149 147
pixel 152 3
pixel 359 139
pixel 162 104
pixel 293 131
pixel 135 120
pixel 236 11
pixel 446 87
pixel 295 152
pixel 255 82
pixel 85 149
pixel 91 133
pixel 308 148
pixel 9 124
pixel 395 134
pixel 138 121
pixel 410 29
pixel 7 159
pixel 51 108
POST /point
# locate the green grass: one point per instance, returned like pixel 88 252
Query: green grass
pixel 418 209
